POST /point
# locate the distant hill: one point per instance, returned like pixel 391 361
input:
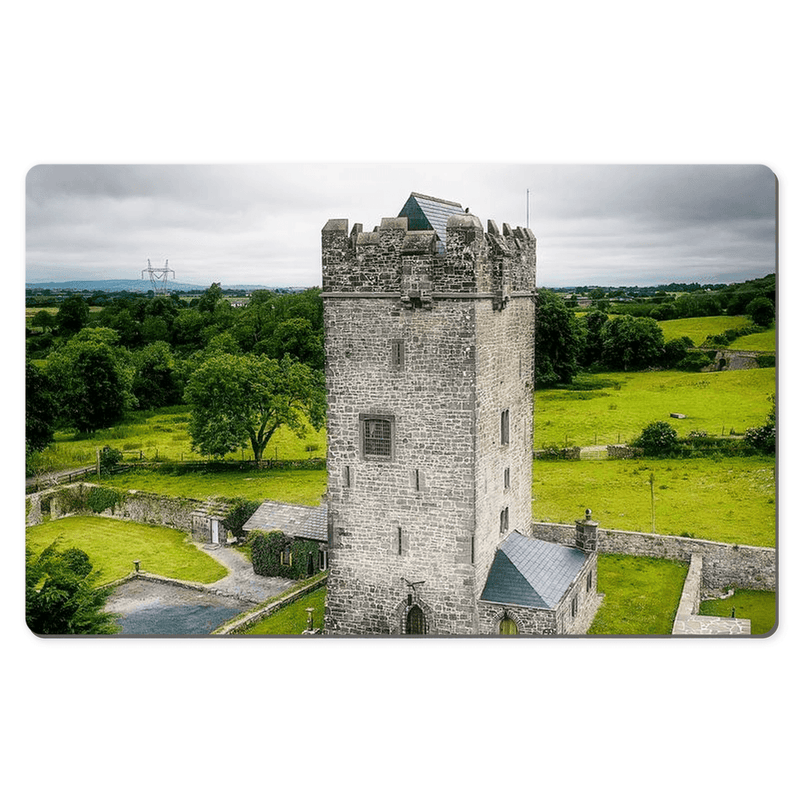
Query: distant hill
pixel 141 286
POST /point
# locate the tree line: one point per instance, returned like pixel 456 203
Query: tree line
pixel 681 301
pixel 567 344
pixel 244 370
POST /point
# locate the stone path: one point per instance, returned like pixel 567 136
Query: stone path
pixel 241 581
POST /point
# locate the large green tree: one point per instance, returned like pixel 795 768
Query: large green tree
pixel 632 343
pixel 238 400
pixel 761 311
pixel 40 409
pixel 72 315
pixel 93 380
pixel 61 595
pixel 558 340
pixel 156 382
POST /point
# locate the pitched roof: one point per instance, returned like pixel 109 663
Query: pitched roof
pixel 531 572
pixel 426 213
pixel 300 522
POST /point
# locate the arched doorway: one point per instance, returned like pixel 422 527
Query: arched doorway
pixel 508 627
pixel 415 621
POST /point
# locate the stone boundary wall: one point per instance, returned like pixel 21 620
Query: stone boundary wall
pixel 618 451
pixel 689 623
pixel 744 566
pixel 136 506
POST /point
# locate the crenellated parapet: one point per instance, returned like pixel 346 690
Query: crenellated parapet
pixel 391 259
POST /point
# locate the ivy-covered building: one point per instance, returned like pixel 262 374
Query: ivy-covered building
pixel 288 541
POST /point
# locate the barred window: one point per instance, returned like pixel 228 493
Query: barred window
pixel 377 437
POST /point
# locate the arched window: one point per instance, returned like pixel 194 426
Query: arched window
pixel 415 621
pixel 508 627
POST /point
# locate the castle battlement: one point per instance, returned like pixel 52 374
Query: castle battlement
pixel 418 265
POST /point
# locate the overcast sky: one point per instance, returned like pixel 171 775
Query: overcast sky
pixel 601 225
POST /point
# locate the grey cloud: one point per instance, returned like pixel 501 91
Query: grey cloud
pixel 261 224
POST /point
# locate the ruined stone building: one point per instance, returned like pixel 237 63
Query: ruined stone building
pixel 429 325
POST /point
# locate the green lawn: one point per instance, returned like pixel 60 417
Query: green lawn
pixel 113 545
pixel 162 434
pixel 302 486
pixel 758 607
pixel 698 328
pixel 624 403
pixel 726 500
pixel 292 620
pixel 641 595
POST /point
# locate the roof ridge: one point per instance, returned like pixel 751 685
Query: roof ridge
pixel 437 200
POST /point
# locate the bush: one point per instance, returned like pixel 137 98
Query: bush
pixel 761 311
pixel 657 439
pixel 694 362
pixel 109 458
pixel 239 513
pixel 762 439
pixel 101 497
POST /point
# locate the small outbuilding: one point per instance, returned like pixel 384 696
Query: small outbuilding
pixel 305 529
pixel 540 587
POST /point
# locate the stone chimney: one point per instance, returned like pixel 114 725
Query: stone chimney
pixel 586 536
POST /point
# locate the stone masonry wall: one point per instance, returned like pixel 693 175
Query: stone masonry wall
pixel 172 512
pixel 723 564
pixel 415 338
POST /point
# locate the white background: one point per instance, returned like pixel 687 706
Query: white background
pixel 246 82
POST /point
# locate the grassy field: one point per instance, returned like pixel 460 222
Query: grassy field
pixel 303 486
pixel 755 341
pixel 697 328
pixel 758 607
pixel 162 435
pixel 641 595
pixel 625 402
pixel 113 545
pixel 292 620
pixel 729 500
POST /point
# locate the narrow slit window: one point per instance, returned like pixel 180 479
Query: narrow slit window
pixel 399 541
pixel 504 520
pixel 504 427
pixel 347 477
pixel 507 478
pixel 398 353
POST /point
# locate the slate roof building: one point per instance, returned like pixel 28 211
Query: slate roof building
pixel 429 336
pixel 307 525
pixel 543 587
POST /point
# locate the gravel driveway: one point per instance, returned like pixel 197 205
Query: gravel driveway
pixel 151 608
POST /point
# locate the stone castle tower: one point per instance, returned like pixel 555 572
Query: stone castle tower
pixel 429 324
